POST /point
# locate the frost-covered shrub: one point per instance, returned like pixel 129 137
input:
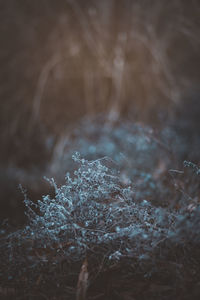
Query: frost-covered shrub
pixel 94 207
pixel 95 214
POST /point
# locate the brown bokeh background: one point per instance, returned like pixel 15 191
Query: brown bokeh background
pixel 63 60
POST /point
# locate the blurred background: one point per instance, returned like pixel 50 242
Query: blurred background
pixel 64 61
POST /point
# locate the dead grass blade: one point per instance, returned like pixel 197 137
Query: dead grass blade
pixel 82 282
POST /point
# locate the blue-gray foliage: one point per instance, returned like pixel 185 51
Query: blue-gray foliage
pixel 94 207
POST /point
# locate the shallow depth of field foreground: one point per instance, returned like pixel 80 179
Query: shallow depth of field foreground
pixel 99 156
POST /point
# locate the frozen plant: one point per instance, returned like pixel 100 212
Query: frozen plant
pixel 85 208
pixel 95 208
